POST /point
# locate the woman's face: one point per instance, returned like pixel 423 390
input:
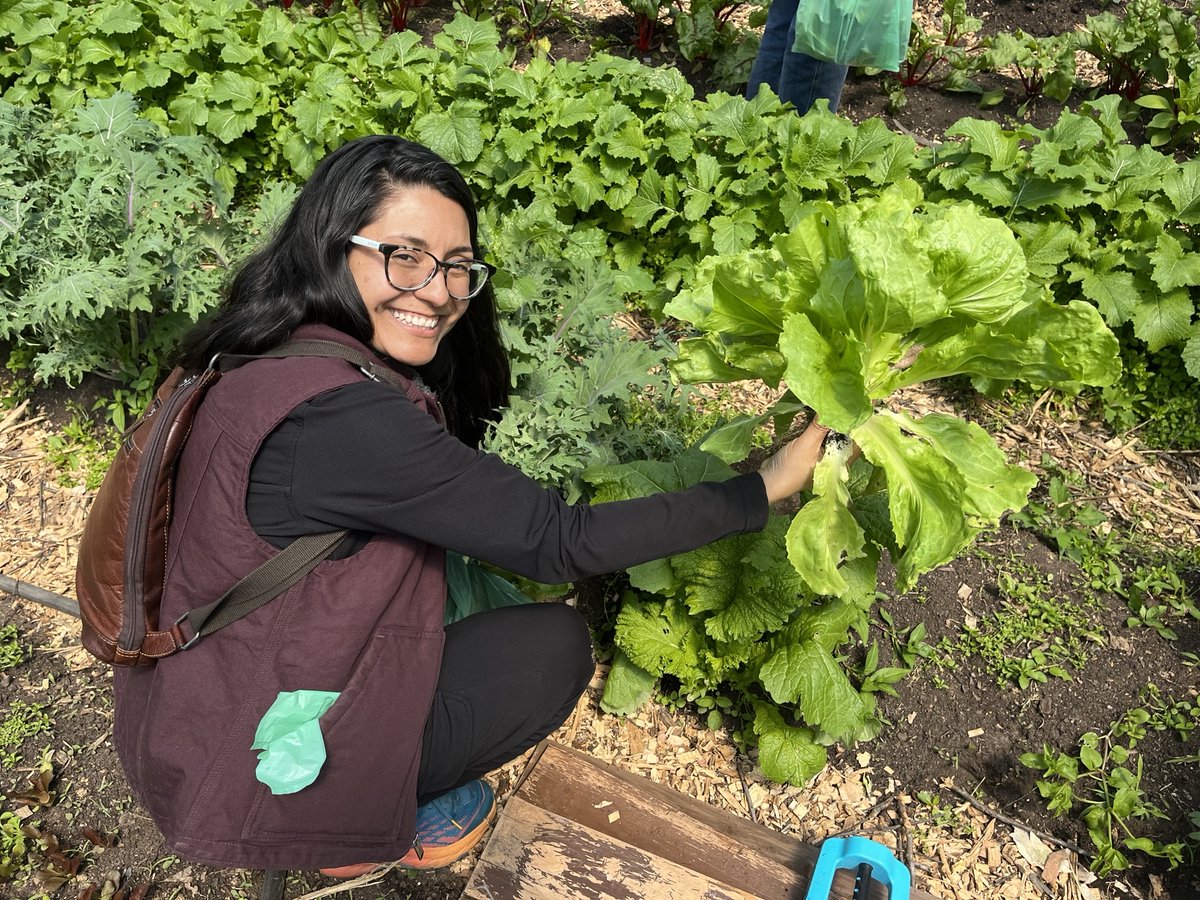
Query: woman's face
pixel 409 325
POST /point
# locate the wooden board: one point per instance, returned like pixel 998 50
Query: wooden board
pixel 539 855
pixel 579 829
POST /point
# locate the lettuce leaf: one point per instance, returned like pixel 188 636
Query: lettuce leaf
pixel 872 297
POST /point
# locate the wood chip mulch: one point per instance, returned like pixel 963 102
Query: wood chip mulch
pixel 975 855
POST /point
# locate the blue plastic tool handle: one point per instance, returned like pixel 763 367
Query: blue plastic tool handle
pixel 850 853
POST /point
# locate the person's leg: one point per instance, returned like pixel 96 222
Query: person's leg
pixel 768 63
pixel 804 79
pixel 509 677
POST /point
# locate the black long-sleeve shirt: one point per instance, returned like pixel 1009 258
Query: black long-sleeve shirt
pixel 363 457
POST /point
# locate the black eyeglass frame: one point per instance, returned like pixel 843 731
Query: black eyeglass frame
pixel 387 250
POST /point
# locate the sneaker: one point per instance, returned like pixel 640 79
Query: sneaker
pixel 448 828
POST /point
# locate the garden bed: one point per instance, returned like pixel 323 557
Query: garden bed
pixel 943 785
pixel 951 732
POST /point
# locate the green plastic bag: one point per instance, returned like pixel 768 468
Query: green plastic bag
pixel 868 33
pixel 470 589
pixel 289 736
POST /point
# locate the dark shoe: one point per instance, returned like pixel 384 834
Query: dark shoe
pixel 448 828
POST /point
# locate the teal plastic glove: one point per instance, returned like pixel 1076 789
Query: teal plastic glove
pixel 289 736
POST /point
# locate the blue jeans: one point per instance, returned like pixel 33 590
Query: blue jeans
pixel 794 77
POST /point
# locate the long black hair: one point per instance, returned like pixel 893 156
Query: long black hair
pixel 301 276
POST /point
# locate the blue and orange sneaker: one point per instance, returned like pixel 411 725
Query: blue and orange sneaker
pixel 448 828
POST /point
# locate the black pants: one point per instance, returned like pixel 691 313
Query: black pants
pixel 509 677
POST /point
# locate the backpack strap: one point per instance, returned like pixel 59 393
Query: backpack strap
pixel 262 585
pixel 373 369
pixel 305 553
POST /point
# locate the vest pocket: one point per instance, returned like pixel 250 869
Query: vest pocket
pixel 372 747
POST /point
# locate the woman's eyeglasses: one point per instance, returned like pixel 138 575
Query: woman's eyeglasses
pixel 410 269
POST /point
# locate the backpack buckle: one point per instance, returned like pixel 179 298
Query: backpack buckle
pixel 177 633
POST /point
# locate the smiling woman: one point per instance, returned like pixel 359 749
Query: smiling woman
pixel 400 708
pixel 411 309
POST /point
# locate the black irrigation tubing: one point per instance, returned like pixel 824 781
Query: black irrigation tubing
pixel 27 591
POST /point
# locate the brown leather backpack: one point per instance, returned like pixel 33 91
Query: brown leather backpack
pixel 121 568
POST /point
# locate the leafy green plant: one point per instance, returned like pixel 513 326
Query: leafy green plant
pixel 946 57
pixel 1133 50
pixel 856 303
pixel 704 30
pixel 1099 219
pixel 585 391
pixel 112 243
pixel 21 721
pixel 12 652
pixel 1103 779
pixel 1045 66
pixel 12 845
pixel 528 21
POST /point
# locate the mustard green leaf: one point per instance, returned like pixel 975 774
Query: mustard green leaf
pixel 741 586
pixel 1191 353
pixel 807 674
pixel 1162 320
pixel 1174 267
pixel 455 135
pixel 659 638
pixel 1114 291
pixel 1182 186
pixel 788 754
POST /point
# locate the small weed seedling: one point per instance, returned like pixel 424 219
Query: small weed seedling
pixel 1036 635
pixel 12 845
pixel 78 454
pixel 1147 579
pixel 21 721
pixel 1105 776
pixel 12 653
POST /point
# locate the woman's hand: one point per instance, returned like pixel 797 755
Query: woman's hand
pixel 791 469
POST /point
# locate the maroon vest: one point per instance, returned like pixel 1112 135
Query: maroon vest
pixel 368 626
